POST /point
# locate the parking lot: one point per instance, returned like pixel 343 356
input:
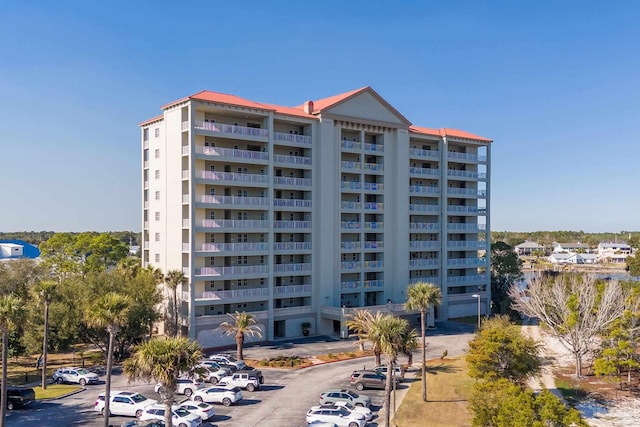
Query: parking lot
pixel 282 402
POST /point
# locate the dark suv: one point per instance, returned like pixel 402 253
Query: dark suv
pixel 18 396
pixel 367 379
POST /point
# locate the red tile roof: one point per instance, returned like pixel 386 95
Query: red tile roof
pixel 448 132
pixel 154 119
pixel 321 104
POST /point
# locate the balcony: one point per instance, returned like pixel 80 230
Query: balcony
pixel 466 244
pixel 435 209
pixel 232 271
pixel 424 154
pixel 468 157
pixel 466 262
pixel 374 284
pixel 471 192
pixel 234 201
pixel 470 227
pixel 292 246
pixel 292 225
pixel 350 265
pixel 422 189
pixel 232 178
pixel 280 159
pixel 373 186
pixel 424 263
pixel 231 247
pixel 350 245
pixel 291 290
pixel 373 167
pixel 226 129
pixel 235 294
pixel 424 172
pixel 464 280
pixel 292 203
pixel 426 226
pixel 233 154
pixel 346 185
pixel 374 225
pixel 462 209
pixel 292 268
pixel 374 264
pixel 350 166
pixel 373 148
pixel 232 223
pixel 349 286
pixel 424 244
pixel 292 182
pixel 464 174
pixel 350 225
pixel 351 205
pixel 373 244
pixel 289 137
pixel 373 206
pixel 292 311
pixel 350 145
pixel 468 297
pixel 214 321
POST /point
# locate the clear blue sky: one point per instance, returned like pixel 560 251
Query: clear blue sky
pixel 556 85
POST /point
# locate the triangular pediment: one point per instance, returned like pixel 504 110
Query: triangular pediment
pixel 368 105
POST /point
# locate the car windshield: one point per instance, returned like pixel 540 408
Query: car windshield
pixel 348 405
pixel 203 405
pixel 343 412
pixel 138 398
pixel 82 371
pixel 353 394
pixel 231 359
pixel 181 412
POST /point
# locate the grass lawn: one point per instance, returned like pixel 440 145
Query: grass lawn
pixel 448 389
pixel 55 390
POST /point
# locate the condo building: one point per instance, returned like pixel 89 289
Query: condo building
pixel 299 215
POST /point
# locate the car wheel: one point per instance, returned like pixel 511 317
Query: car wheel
pixel 213 380
pixel 353 425
pixel 59 380
pixel 102 412
pixel 226 401
pixel 138 413
pixel 359 386
pixel 188 392
pixel 198 399
pixel 83 382
pixel 10 406
pixel 250 387
pixel 182 425
pixel 360 404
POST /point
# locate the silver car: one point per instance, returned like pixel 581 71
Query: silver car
pixel 75 375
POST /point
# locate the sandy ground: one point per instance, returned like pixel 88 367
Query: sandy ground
pixel 622 412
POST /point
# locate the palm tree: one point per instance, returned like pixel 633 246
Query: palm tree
pixel 360 322
pixel 173 279
pixel 409 341
pixel 129 267
pixel 110 312
pixel 46 291
pixel 420 296
pixel 243 323
pixel 387 331
pixel 11 312
pixel 162 360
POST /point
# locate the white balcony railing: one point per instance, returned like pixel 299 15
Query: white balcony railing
pixel 473 192
pixel 466 156
pixel 373 167
pixel 424 263
pixel 350 205
pixel 424 244
pixel 462 209
pixel 477 278
pixel 466 244
pixel 424 171
pixel 291 290
pixel 462 174
pixel 240 178
pixel 374 225
pixel 349 285
pixel 429 226
pixel 292 268
pixel 373 206
pixel 424 189
pixel 234 200
pixel 351 145
pixel 215 320
pixel 292 246
pixel 350 166
pixel 374 284
pixel 348 185
pixel 293 182
pixel 233 294
pixel 233 247
pixel 231 153
pixel 373 244
pixel 466 262
pixel 292 203
pixel 292 225
pixel 373 186
pixel 232 223
pixel 292 160
pixel 350 265
pixel 424 208
pixel 424 154
pixel 350 225
pixel 376 148
pixel 290 137
pixel 292 311
pixel 466 227
pixel 232 271
pixel 350 245
pixel 373 264
pixel 231 129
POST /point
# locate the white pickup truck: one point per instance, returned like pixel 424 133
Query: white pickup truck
pixel 248 380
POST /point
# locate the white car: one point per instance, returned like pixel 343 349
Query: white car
pixel 127 403
pixel 336 414
pixel 186 386
pixel 204 410
pixel 75 375
pixel 216 394
pixel 228 360
pixel 368 415
pixel 397 371
pixel 213 372
pixel 181 417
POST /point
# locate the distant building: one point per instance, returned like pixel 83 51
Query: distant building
pixel 559 258
pixel 528 248
pixel 16 249
pixel 613 252
pixel 571 247
pixel 575 258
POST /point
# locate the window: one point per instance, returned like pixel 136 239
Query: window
pixel 157 237
pixel 145 134
pixel 157 258
pixel 157 216
pixel 157 153
pixel 157 173
pixel 157 195
pixel 157 132
pixel 212 260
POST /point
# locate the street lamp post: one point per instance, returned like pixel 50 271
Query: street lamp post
pixel 478 296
